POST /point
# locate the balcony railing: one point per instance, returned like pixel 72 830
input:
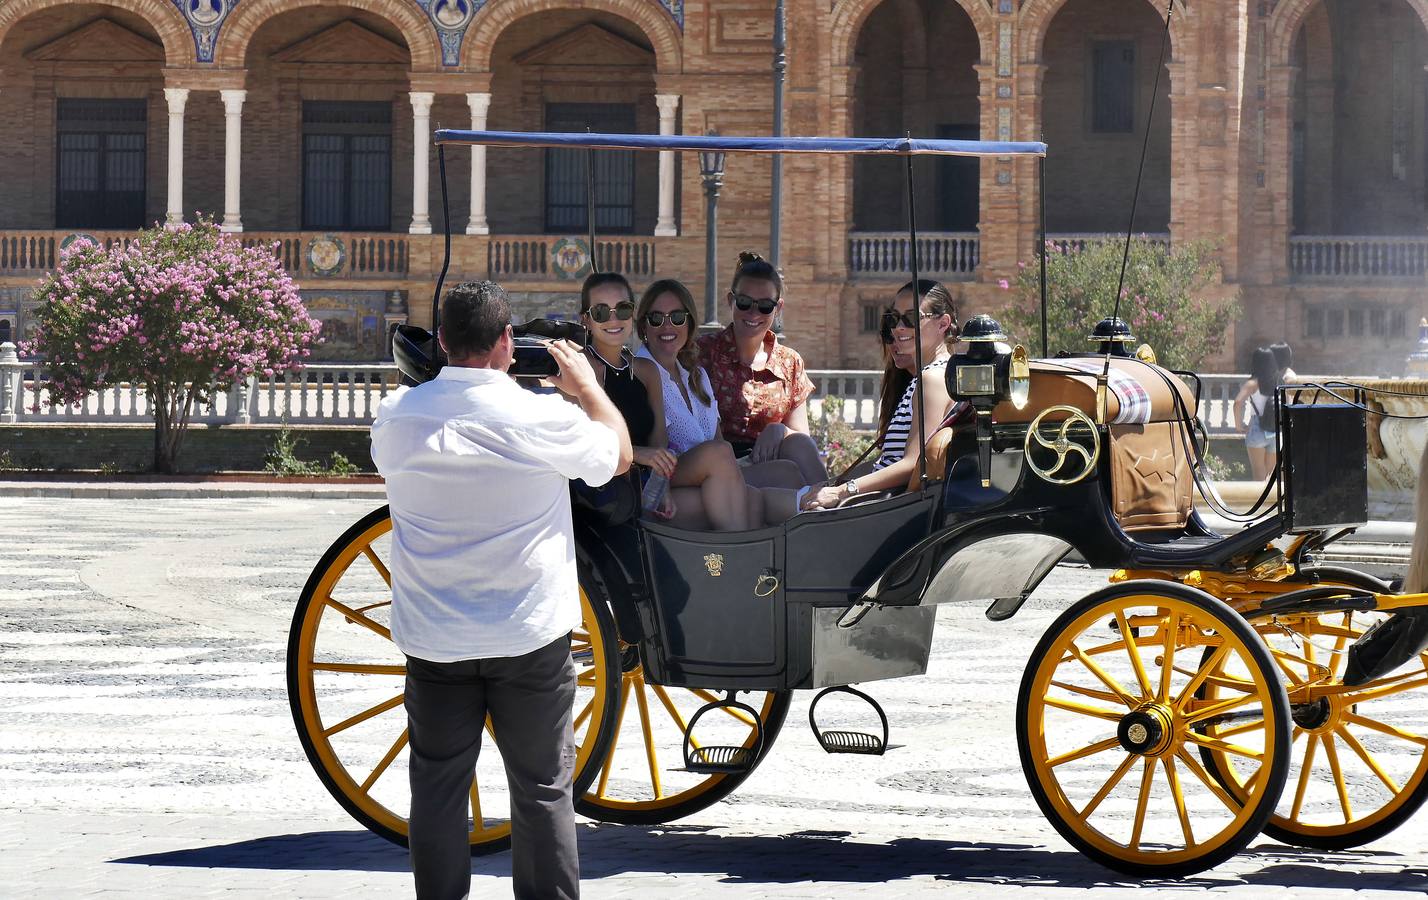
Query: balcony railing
pixel 546 257
pixel 303 253
pixel 947 255
pixel 1346 257
pixel 1076 241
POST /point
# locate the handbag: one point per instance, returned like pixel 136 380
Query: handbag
pixel 613 503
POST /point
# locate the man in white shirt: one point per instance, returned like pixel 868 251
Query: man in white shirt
pixel 484 586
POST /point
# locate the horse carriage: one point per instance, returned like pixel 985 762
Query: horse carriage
pixel 1220 686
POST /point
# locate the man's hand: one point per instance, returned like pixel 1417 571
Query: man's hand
pixel 576 376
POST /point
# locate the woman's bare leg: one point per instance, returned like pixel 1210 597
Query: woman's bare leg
pixel 800 449
pixel 689 509
pixel 1261 461
pixel 711 468
pixel 774 473
pixel 756 505
pixel 779 504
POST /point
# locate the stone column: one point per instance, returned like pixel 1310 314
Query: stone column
pixel 233 160
pixel 664 226
pixel 480 103
pixel 9 384
pixel 178 99
pixel 421 149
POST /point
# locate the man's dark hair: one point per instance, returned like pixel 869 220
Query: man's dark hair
pixel 473 316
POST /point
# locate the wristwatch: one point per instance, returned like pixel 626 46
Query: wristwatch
pixel 852 485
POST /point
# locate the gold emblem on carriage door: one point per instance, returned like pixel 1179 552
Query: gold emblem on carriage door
pixel 714 562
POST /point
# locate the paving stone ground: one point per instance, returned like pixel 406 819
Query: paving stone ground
pixel 147 749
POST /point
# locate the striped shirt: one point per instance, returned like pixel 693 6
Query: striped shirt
pixel 900 426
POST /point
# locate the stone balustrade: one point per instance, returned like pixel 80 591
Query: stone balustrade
pixel 950 256
pixel 1076 241
pixel 348 394
pixel 1352 257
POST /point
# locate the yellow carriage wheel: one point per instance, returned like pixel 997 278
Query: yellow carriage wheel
pixel 1359 756
pixel 1108 722
pixel 346 681
pixel 642 780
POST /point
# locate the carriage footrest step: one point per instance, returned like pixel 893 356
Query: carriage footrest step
pixel 720 760
pixel 724 759
pixel 836 741
pixel 852 742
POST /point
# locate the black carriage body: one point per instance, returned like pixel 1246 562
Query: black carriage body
pixel 760 610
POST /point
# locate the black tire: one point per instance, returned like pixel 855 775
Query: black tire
pixel 1211 620
pixel 305 702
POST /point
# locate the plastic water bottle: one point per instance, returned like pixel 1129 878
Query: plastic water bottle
pixel 655 489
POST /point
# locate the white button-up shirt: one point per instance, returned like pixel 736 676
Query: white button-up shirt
pixel 483 551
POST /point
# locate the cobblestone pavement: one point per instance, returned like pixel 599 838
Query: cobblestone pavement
pixel 147 750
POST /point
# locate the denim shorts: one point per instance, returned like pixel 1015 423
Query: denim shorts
pixel 1257 438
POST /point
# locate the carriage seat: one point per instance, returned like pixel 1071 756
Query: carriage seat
pixel 1151 480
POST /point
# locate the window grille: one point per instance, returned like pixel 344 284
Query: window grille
pixel 1113 86
pixel 566 204
pixel 347 166
pixel 101 148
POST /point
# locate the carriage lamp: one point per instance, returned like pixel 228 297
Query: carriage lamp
pixel 711 169
pixel 988 372
pixel 1112 335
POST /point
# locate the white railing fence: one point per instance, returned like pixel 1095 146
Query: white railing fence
pixel 348 395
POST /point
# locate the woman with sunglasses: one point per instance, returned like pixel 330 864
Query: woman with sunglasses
pixel 760 385
pixel 607 308
pixel 933 324
pixel 708 482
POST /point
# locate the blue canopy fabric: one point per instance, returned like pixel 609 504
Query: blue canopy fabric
pixel 841 145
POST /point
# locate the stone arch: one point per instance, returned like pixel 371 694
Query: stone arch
pixel 498 15
pixel 161 15
pixel 1037 15
pixel 849 16
pixel 246 18
pixel 1289 15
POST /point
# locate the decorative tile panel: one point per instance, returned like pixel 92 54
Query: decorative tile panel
pixel 1004 49
pixel 676 10
pixel 1004 123
pixel 205 18
pixel 451 18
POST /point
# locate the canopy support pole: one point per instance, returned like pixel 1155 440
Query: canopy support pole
pixel 780 68
pixel 446 257
pixel 917 330
pixel 590 206
pixel 1041 251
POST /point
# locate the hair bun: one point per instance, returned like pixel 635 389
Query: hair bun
pixel 749 256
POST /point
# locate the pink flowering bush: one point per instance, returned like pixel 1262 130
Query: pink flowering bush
pixel 186 312
pixel 1167 299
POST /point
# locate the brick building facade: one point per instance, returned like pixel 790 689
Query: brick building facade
pixel 1289 132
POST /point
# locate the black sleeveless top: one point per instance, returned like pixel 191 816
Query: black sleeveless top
pixel 629 396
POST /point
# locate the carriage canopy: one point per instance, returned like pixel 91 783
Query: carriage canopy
pixel 903 146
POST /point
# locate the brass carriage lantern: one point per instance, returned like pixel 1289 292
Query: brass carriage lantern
pixel 711 169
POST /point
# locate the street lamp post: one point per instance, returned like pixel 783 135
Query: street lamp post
pixel 711 168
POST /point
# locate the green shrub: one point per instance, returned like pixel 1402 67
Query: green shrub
pixel 840 443
pixel 282 459
pixel 1166 299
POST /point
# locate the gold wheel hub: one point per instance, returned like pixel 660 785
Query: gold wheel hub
pixel 1148 730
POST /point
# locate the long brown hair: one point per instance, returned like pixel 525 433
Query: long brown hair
pixel 895 378
pixel 688 355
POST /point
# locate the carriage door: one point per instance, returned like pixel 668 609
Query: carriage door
pixel 718 602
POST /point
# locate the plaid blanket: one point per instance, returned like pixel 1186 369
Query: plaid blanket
pixel 1134 398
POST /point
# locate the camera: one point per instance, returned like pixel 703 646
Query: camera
pixel 533 359
pixel 419 357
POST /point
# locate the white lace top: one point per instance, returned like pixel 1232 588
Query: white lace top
pixel 688 425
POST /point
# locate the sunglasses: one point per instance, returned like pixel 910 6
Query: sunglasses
pixel 656 319
pixel 600 312
pixel 745 303
pixel 908 319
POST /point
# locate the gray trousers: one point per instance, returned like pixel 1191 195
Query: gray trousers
pixel 529 699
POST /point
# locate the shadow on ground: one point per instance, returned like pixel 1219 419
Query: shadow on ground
pixel 609 851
